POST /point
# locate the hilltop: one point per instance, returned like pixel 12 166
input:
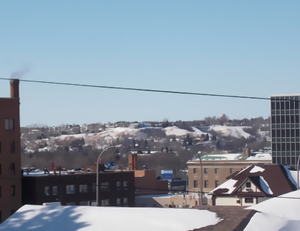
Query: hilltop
pixel 76 145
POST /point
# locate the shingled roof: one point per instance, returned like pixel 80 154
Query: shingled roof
pixel 271 180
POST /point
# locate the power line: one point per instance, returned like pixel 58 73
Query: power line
pixel 141 89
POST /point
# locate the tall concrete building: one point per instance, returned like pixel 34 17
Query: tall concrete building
pixel 285 129
pixel 10 153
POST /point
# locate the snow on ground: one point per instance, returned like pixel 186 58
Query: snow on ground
pixel 279 213
pixel 236 131
pixel 84 218
pixel 175 131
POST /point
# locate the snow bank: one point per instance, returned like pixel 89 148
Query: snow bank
pixel 85 218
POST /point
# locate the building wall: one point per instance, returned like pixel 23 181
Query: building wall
pixel 10 154
pixel 214 173
pixel 146 183
pixel 227 201
pixel 165 202
pixel 285 133
pixel 35 189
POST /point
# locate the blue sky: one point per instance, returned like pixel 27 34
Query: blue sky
pixel 224 47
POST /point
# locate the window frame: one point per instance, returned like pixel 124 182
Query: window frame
pixel 9 124
pixel 70 189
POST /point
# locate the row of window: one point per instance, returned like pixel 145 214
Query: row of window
pixel 286 133
pixel 284 105
pixel 285 119
pixel 12 147
pixel 285 147
pixel 206 184
pixel 104 202
pixel 231 170
pixel 83 188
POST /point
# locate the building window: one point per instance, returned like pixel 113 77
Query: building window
pixel 71 203
pixel 216 171
pixel 94 187
pixel 248 200
pixel 206 184
pixel 125 201
pixel 125 185
pixel 118 201
pixel 47 191
pixel 83 203
pixel 216 183
pixel 54 190
pixel 118 184
pixel 12 147
pixel 9 124
pixel 195 183
pixel 70 189
pixel 195 170
pixel 104 186
pixel 248 185
pixel 206 171
pixel 12 168
pixel 105 202
pixel 231 170
pixel 13 190
pixel 83 188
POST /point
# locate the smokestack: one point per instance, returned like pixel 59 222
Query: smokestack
pixel 14 88
pixel 132 162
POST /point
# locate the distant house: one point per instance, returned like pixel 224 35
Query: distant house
pixel 253 185
pixel 217 167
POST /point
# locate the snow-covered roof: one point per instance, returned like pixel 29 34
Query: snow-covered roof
pixel 85 218
pixel 270 179
pixel 279 213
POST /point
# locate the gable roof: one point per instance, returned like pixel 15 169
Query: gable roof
pixel 270 179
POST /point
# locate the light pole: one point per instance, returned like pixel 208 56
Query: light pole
pixel 201 177
pixel 97 174
pixel 186 179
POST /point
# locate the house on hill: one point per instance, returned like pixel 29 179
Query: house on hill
pixel 253 185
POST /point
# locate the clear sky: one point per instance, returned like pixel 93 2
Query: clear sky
pixel 247 48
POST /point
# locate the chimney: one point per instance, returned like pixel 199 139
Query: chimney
pixel 246 152
pixel 132 162
pixel 14 88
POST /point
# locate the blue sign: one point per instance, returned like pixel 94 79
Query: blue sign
pixel 167 176
pixel 170 172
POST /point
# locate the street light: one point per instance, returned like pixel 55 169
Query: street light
pixel 201 176
pixel 186 179
pixel 97 174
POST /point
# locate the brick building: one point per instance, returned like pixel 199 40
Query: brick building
pixel 217 167
pixel 10 153
pixel 115 189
